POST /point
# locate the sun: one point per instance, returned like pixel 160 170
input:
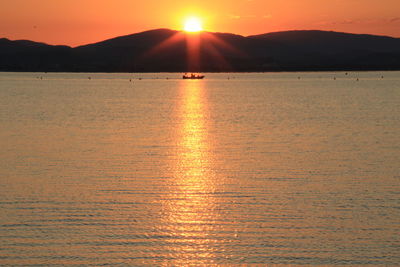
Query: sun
pixel 193 24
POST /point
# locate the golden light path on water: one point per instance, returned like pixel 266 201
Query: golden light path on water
pixel 191 207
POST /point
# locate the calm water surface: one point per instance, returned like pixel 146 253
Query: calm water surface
pixel 283 168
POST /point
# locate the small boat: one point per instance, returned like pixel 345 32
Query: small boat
pixel 192 76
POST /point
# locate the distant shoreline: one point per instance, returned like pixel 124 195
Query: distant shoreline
pixel 180 72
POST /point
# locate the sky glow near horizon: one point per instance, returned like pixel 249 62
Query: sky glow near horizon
pixel 74 22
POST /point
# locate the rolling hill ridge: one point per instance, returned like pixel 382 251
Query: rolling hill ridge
pixel 164 50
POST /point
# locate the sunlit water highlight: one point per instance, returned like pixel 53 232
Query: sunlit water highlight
pixel 283 168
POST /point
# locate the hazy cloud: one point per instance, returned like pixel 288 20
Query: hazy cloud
pixel 395 19
pixel 360 21
pixel 232 16
pixel 341 22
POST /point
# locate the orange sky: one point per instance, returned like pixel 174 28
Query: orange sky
pixel 76 22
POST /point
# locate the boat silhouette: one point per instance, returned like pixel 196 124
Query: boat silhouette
pixel 192 76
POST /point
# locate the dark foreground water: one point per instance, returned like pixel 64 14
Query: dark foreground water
pixel 281 168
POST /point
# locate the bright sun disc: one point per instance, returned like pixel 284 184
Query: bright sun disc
pixel 193 25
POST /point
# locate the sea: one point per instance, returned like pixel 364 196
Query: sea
pixel 132 169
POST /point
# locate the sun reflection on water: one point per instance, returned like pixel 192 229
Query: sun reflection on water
pixel 191 208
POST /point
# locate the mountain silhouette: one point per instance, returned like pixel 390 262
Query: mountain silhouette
pixel 174 51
